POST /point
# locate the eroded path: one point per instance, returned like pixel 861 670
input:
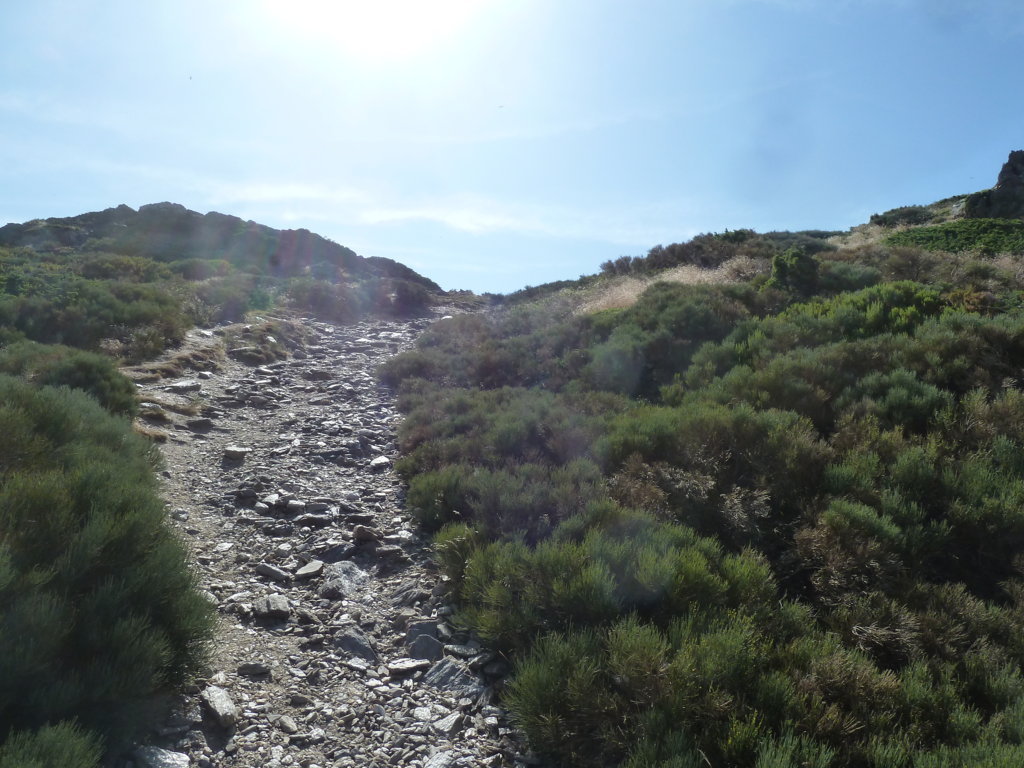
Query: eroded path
pixel 333 647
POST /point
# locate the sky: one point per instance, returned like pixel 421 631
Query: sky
pixel 495 144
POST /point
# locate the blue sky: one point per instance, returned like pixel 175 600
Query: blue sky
pixel 492 144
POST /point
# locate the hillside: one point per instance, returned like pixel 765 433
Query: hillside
pixel 775 519
pixel 171 234
pixel 131 282
pixel 752 499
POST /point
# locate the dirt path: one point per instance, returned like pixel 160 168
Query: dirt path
pixel 333 647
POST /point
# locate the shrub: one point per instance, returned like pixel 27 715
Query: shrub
pixel 58 366
pixel 987 236
pixel 63 745
pixel 98 608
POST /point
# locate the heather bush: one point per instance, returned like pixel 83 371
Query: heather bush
pixel 98 608
pixel 741 525
pixel 58 366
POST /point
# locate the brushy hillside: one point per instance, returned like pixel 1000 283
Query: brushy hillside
pixel 774 521
pixel 131 282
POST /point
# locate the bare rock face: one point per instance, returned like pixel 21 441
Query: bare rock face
pixel 1006 199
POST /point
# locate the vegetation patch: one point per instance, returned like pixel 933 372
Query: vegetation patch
pixel 774 522
pixel 985 236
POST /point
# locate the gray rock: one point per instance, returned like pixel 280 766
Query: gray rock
pixel 355 642
pixel 426 647
pixel 273 607
pixel 310 569
pixel 449 726
pixel 444 759
pixel 287 724
pixel 236 452
pixel 200 425
pixel 220 705
pixel 363 534
pixel 273 572
pixel 342 580
pixel 253 669
pixel 400 667
pixel 421 627
pixel 453 677
pixel 184 386
pixel 154 757
pixel 380 463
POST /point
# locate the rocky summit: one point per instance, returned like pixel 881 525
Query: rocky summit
pixel 1006 198
pixel 335 646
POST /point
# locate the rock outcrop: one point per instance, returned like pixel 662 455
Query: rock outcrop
pixel 1006 199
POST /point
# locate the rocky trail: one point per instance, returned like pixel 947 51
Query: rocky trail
pixel 333 647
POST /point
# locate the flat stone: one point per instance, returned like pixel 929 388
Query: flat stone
pixel 154 757
pixel 273 607
pixel 400 667
pixel 253 669
pixel 220 705
pixel 200 425
pixel 184 386
pixel 310 569
pixel 287 724
pixel 273 572
pixel 236 452
pixel 421 627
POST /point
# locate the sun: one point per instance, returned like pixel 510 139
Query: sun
pixel 375 30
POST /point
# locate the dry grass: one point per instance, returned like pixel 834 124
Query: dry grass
pixel 154 434
pixel 623 292
pixel 197 354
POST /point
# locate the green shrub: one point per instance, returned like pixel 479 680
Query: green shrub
pixel 907 215
pixel 63 745
pixel 98 608
pixel 58 366
pixel 986 236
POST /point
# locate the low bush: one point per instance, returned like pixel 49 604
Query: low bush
pixel 98 608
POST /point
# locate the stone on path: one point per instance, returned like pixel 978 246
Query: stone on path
pixel 454 677
pixel 380 464
pixel 154 757
pixel 352 640
pixel 310 569
pixel 444 759
pixel 220 705
pixel 400 667
pixel 236 452
pixel 273 572
pixel 342 579
pixel 273 607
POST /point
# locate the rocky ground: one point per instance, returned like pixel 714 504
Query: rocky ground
pixel 334 646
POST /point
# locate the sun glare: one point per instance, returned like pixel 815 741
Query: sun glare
pixel 375 30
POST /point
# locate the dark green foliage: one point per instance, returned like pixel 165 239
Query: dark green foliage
pixel 57 366
pixel 985 236
pixel 907 215
pixel 742 527
pixel 97 605
pixel 794 270
pixel 63 745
